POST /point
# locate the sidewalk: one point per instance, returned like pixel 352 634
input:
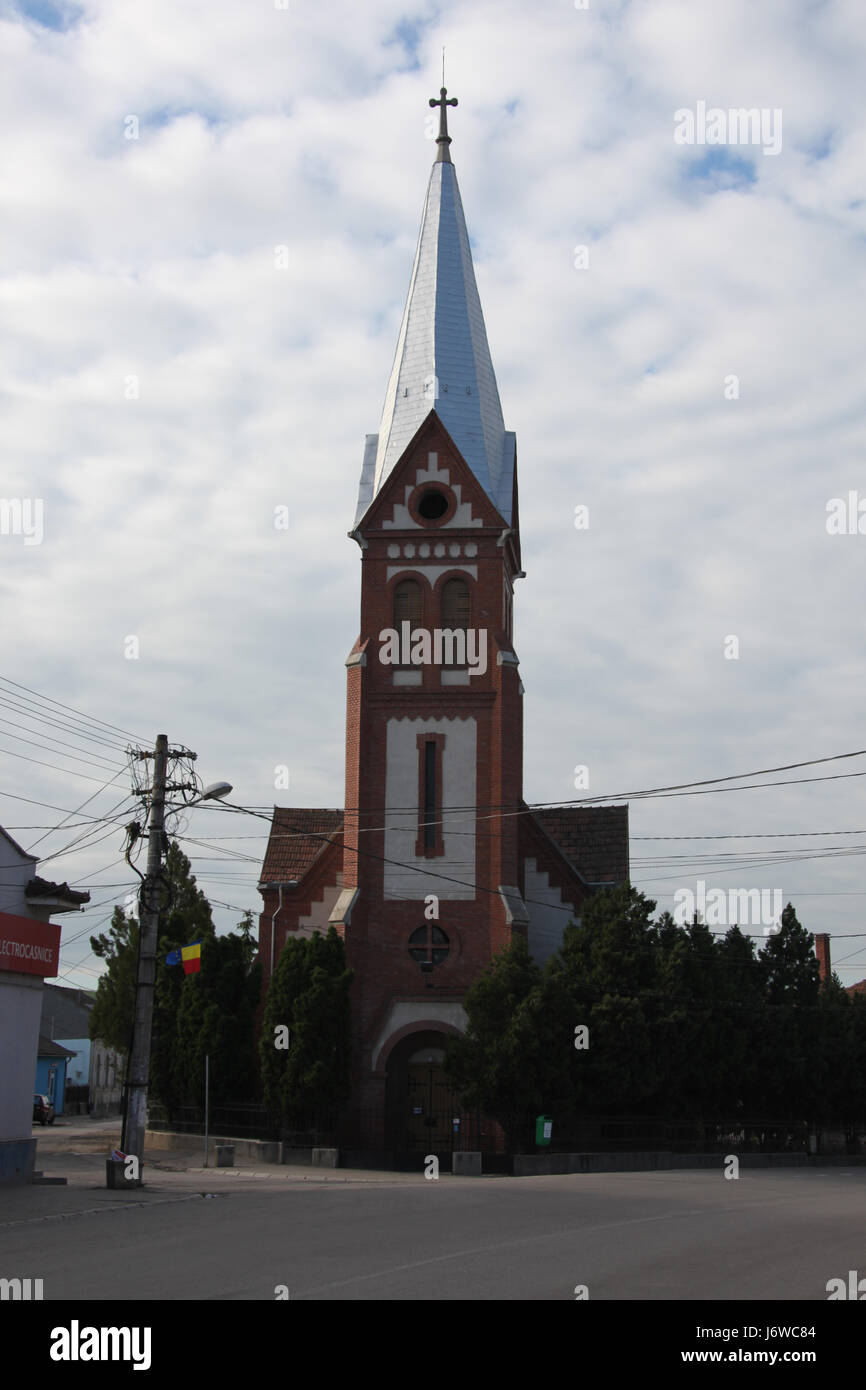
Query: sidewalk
pixel 83 1130
pixel 77 1151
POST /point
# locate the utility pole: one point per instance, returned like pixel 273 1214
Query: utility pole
pixel 135 1096
pixel 132 1142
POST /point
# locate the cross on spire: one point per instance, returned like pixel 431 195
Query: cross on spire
pixel 443 139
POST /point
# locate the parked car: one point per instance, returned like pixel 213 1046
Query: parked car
pixel 43 1110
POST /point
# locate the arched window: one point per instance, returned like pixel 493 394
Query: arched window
pixel 407 604
pixel 455 604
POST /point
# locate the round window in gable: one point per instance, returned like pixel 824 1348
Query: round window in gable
pixel 433 505
pixel 429 945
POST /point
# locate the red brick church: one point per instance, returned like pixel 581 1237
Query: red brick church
pixel 436 861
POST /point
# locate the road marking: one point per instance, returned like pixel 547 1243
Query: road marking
pixel 533 1239
pixel 95 1211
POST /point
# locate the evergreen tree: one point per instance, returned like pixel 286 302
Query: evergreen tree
pixel 791 971
pixel 681 1026
pixel 605 978
pixel 500 1063
pixel 741 1006
pixel 176 1060
pixel 206 1013
pixel 305 1047
pixel 113 1011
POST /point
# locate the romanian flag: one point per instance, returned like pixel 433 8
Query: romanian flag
pixel 189 956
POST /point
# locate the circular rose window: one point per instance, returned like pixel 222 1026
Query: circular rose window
pixel 432 505
pixel 429 945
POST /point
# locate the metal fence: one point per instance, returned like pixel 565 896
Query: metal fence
pixel 240 1120
pixel 445 1131
pixel 623 1134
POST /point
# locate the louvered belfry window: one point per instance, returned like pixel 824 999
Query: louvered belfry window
pixel 407 604
pixel 455 604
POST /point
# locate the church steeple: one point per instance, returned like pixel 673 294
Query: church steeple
pixel 443 361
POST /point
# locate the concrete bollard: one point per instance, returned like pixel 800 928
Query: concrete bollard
pixel 326 1158
pixel 466 1165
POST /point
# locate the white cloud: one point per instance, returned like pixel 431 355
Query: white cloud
pixel 154 258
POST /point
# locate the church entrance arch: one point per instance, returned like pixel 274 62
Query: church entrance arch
pixel 420 1105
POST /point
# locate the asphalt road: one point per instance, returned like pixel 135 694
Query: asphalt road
pixel 650 1236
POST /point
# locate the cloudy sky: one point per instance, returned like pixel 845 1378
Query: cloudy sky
pixel 693 376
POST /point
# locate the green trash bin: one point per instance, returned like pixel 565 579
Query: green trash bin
pixel 543 1130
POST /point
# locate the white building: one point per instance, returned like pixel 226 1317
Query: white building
pixel 29 951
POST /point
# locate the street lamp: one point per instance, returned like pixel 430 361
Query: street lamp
pixel 214 792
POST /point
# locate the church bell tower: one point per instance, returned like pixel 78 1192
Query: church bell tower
pixel 434 706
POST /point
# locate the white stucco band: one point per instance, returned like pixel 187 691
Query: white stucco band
pixel 549 912
pixel 408 876
pixel 402 1013
pixel 432 573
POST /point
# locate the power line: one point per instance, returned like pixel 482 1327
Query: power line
pixel 48 699
pixel 73 825
pixel 79 845
pixel 504 811
pixel 46 738
pixel 765 835
pixel 47 806
pixel 67 772
pixel 413 868
pixel 37 714
pixel 70 757
pixel 212 842
pixel 736 868
pixel 727 861
pixel 86 840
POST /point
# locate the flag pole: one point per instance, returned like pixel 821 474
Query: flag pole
pixel 206 1106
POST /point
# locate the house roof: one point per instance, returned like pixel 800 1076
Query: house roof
pixel 15 845
pixel 291 854
pixel 65 1012
pixel 43 888
pixel 594 839
pixel 47 1048
pixel 443 358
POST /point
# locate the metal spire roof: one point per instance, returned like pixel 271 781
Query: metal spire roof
pixel 443 359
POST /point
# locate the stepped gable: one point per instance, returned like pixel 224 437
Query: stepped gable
pixel 594 840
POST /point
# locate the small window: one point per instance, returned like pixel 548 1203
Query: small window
pixel 455 604
pixel 430 826
pixel 432 506
pixel 407 603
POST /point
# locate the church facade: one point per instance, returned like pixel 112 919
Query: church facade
pixel 436 862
